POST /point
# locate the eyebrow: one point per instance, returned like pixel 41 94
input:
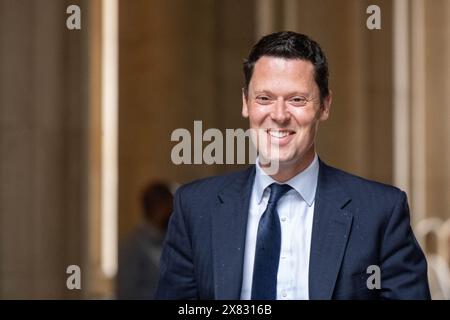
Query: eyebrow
pixel 289 94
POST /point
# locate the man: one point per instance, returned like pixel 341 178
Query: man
pixel 139 253
pixel 308 231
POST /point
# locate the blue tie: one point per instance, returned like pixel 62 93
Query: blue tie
pixel 268 245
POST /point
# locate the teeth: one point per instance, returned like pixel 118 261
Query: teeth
pixel 278 134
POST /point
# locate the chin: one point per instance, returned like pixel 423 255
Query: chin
pixel 281 160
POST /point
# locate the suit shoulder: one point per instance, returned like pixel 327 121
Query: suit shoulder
pixel 213 184
pixel 357 185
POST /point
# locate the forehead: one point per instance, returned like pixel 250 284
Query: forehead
pixel 280 71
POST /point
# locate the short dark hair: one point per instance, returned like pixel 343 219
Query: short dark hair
pixel 289 45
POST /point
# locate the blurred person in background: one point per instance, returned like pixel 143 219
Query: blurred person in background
pixel 139 253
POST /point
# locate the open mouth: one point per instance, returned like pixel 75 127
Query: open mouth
pixel 280 133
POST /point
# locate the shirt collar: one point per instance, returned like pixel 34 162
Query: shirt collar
pixel 304 183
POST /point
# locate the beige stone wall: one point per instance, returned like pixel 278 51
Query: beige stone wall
pixel 180 61
pixel 437 108
pixel 43 106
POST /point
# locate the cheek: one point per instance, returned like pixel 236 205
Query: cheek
pixel 305 117
pixel 257 114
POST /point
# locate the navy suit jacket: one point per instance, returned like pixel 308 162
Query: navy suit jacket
pixel 356 223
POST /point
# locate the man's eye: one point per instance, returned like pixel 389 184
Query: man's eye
pixel 263 99
pixel 299 101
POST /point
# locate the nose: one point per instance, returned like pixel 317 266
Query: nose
pixel 280 112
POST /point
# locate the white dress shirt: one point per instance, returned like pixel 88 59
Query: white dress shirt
pixel 295 210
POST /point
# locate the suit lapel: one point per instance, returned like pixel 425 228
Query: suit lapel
pixel 330 233
pixel 229 224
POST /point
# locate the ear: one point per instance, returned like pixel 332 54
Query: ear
pixel 326 106
pixel 244 105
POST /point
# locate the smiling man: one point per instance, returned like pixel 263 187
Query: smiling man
pixel 307 231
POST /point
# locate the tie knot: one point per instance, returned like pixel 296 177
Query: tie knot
pixel 277 191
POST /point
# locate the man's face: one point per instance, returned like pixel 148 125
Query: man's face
pixel 276 94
